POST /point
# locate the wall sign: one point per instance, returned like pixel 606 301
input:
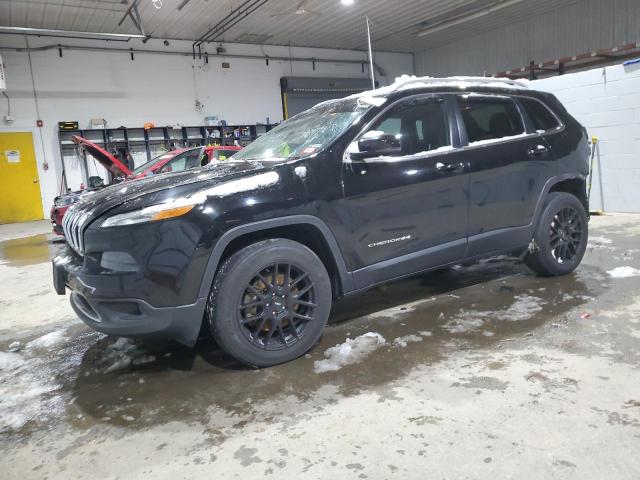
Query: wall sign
pixel 13 156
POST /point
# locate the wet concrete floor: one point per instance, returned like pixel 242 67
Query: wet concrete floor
pixel 464 350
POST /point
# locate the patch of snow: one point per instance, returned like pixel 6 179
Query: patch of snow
pixel 600 239
pixel 10 361
pixel 465 322
pixel 47 341
pixel 426 333
pixel 404 341
pixel 350 352
pixel 624 272
pixel 525 307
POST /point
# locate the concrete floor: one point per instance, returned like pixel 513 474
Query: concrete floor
pixel 485 371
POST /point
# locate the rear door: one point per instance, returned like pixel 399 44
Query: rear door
pixel 508 164
pixel 406 195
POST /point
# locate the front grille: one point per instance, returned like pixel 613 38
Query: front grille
pixel 73 224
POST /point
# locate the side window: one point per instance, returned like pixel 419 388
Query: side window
pixel 540 115
pixel 414 126
pixel 489 118
pixel 183 161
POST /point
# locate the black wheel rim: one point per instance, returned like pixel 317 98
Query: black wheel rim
pixel 277 306
pixel 566 235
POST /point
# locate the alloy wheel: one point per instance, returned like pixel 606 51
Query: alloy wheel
pixel 565 235
pixel 276 306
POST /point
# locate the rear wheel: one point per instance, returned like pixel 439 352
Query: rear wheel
pixel 560 237
pixel 269 302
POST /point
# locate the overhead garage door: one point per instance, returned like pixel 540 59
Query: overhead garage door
pixel 301 93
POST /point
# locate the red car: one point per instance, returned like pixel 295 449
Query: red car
pixel 173 161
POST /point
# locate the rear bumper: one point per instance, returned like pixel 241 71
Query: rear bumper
pixel 125 317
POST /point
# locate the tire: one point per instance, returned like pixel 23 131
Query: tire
pixel 262 322
pixel 560 236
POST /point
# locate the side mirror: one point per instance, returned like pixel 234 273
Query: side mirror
pixel 376 144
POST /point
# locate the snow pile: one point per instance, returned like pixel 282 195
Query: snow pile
pixel 350 352
pixel 624 272
pixel 404 341
pixel 25 391
pixel 121 354
pixel 47 341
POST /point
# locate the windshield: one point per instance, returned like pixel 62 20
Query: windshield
pixel 146 166
pixel 306 133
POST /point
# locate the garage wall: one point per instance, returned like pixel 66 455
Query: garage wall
pixel 583 26
pixel 607 102
pixel 154 88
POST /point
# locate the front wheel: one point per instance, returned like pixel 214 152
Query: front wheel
pixel 560 237
pixel 269 302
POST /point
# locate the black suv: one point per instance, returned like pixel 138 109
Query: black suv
pixel 352 193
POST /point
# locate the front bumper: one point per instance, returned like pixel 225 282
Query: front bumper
pixel 127 317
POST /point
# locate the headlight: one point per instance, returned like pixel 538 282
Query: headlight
pixel 148 214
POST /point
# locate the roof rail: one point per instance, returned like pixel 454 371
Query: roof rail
pixel 405 81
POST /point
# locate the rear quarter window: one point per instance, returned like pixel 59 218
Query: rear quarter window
pixel 541 117
pixel 490 118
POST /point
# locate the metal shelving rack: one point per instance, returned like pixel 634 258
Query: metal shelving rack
pixel 152 142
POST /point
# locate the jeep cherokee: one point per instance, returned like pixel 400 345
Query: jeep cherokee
pixel 352 193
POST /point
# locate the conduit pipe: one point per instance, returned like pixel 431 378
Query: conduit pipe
pixel 130 51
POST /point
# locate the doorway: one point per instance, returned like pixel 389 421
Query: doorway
pixel 19 182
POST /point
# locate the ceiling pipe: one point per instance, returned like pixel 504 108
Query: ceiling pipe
pixel 235 16
pixel 188 54
pixel 47 32
pixel 466 17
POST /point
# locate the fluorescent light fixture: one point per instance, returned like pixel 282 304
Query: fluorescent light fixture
pixel 47 32
pixel 347 2
pixel 465 18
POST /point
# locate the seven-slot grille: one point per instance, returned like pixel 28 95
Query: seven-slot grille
pixel 73 224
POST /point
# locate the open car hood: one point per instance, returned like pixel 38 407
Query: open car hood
pixel 108 161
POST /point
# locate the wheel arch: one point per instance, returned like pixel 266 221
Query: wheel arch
pixel 305 229
pixel 569 183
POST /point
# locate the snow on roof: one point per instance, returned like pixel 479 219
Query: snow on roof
pixel 408 82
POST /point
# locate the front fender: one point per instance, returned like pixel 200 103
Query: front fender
pixel 241 230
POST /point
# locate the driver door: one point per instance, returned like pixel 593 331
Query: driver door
pixel 406 191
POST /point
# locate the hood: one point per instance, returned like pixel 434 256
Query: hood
pixel 166 185
pixel 108 161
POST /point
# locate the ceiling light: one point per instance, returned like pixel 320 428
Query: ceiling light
pixel 347 2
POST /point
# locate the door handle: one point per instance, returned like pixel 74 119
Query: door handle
pixel 448 167
pixel 537 151
pixel 35 180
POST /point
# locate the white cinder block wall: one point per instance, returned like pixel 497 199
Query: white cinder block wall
pixel 607 102
pixel 154 88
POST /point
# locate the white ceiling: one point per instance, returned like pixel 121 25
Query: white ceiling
pixel 395 23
